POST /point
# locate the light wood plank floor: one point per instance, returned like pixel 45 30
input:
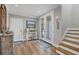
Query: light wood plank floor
pixel 34 47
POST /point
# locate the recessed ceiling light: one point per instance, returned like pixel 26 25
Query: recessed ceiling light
pixel 16 5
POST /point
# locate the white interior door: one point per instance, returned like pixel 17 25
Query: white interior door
pixel 16 25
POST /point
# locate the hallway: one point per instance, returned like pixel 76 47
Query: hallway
pixel 33 47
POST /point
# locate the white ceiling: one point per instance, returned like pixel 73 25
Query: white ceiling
pixel 30 10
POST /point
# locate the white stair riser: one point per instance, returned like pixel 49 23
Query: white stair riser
pixel 71 39
pixel 76 36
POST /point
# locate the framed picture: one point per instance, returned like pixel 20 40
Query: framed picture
pixel 30 24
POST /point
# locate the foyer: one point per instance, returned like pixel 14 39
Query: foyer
pixel 39 29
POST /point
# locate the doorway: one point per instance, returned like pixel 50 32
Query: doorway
pixel 48 28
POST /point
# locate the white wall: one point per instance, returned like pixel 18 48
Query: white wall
pixel 57 32
pixel 66 21
pixel 75 15
pixel 70 16
pixel 66 16
pixel 17 25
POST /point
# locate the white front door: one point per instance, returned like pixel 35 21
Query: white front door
pixel 16 25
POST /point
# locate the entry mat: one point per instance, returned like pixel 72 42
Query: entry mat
pixel 44 44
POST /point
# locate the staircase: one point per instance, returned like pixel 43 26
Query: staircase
pixel 70 43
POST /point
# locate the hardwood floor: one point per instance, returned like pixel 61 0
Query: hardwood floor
pixel 34 47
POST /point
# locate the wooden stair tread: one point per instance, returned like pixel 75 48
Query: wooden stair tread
pixel 59 52
pixel 71 47
pixel 68 43
pixel 65 51
pixel 68 49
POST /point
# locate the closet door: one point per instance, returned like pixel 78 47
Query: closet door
pixel 16 25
